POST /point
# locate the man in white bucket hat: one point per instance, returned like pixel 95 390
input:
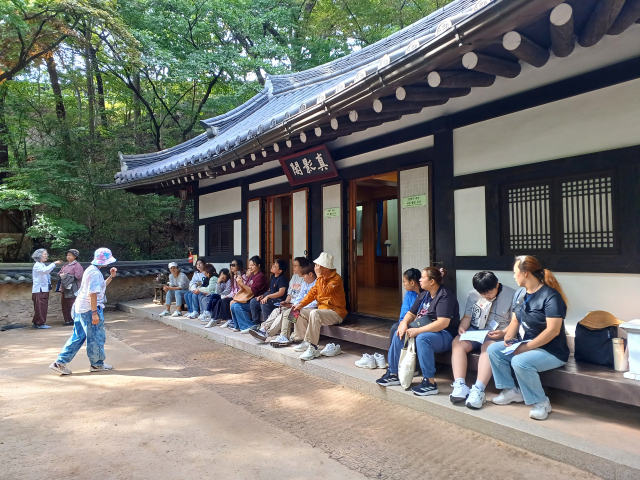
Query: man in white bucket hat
pixel 332 308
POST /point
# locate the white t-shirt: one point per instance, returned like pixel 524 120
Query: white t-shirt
pixel 92 282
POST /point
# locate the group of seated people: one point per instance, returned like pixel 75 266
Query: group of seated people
pixel 247 302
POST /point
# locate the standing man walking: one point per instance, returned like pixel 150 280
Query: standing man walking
pixel 88 317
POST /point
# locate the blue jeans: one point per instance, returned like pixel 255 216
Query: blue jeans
pixel 190 300
pixel 203 301
pixel 241 314
pixel 83 330
pixel 526 366
pixel 179 294
pixel 427 345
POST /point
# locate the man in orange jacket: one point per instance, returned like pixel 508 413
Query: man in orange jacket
pixel 332 308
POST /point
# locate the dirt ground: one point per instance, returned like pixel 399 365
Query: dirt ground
pixel 178 406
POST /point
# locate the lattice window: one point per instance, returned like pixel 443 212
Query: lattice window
pixel 219 238
pixel 587 213
pixel 529 222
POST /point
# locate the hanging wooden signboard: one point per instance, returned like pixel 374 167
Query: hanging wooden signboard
pixel 309 166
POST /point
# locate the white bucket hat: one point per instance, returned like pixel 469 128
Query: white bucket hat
pixel 325 260
pixel 173 264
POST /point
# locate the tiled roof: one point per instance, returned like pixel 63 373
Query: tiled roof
pixel 285 96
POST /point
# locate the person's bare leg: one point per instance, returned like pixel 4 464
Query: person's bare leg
pixel 460 349
pixel 484 365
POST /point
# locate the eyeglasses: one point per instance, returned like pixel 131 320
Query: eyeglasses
pixel 233 264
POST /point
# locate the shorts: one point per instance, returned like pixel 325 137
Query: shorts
pixel 475 346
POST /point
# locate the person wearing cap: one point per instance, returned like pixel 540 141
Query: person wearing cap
pixel 332 308
pixel 70 279
pixel 88 316
pixel 41 275
pixel 178 286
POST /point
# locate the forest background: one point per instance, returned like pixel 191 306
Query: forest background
pixel 81 80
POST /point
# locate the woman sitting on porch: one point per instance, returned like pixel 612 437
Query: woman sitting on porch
pixel 221 289
pixel 221 310
pixel 254 285
pixel 201 294
pixel 178 286
pixel 189 297
pixel 540 306
pixel 433 321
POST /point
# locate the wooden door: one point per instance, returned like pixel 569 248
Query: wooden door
pixel 353 242
pixel 254 228
pixel 300 223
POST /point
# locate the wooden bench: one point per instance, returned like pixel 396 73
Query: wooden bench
pixel 582 378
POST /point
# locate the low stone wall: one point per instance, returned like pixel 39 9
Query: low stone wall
pixel 16 305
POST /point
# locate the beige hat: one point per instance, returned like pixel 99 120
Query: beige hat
pixel 173 264
pixel 325 260
pixel 599 319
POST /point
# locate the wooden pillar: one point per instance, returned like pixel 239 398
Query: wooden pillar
pixel 244 199
pixel 315 220
pixel 442 211
pixel 196 218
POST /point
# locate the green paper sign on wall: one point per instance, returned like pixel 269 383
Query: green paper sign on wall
pixel 414 201
pixel 332 212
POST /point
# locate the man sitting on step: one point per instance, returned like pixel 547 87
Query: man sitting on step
pixel 329 293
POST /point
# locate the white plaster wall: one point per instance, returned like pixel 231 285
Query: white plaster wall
pixel 415 222
pixel 269 182
pixel 406 147
pixel 202 248
pixel 237 237
pixel 220 203
pixel 220 266
pixel 332 227
pixel 601 120
pixel 253 220
pixel 470 222
pixel 616 293
pixel 299 223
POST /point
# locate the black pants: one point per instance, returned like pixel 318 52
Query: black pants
pixel 257 307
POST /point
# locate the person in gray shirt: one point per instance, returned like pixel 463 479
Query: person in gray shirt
pixel 178 286
pixel 489 307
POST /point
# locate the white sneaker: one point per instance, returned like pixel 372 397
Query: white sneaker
pixel 100 368
pixel 540 410
pixel 311 353
pixel 210 324
pixel 381 362
pixel 61 368
pixel 476 398
pixel 224 325
pixel 331 350
pixel 246 330
pixel 460 391
pixel 165 313
pixel 301 347
pixel 177 313
pixel 367 361
pixel 507 396
pixel 201 317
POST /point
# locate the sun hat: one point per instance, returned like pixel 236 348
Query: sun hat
pixel 102 257
pixel 599 319
pixel 73 252
pixel 173 264
pixel 325 260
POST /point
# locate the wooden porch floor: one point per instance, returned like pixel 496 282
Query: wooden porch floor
pixel 379 301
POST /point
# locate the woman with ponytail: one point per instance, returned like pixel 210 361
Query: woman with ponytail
pixel 540 307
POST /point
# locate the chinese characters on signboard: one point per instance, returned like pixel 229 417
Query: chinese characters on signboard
pixel 309 166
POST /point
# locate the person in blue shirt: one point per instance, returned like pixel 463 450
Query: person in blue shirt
pixel 411 283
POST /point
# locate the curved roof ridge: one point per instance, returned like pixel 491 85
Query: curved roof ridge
pixel 250 105
pixel 155 156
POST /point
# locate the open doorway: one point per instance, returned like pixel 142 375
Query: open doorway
pixel 375 287
pixel 279 232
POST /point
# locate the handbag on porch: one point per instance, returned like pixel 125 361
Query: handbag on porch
pixel 407 364
pixel 243 296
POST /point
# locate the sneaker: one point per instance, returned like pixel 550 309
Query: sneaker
pixel 259 334
pixel 224 324
pixel 191 315
pixel 201 316
pixel 507 396
pixel 381 361
pixel 311 353
pixel 280 341
pixel 425 388
pixel 476 398
pixel 331 350
pixel 367 361
pixel 210 324
pixel 177 313
pixel 301 347
pixel 61 368
pixel 100 368
pixel 540 410
pixel 165 313
pixel 41 327
pixel 235 329
pixel 244 331
pixel 388 379
pixel 460 392
pixel 67 324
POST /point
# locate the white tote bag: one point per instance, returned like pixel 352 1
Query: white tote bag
pixel 407 365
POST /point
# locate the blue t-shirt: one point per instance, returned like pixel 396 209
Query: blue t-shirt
pixel 532 312
pixel 276 284
pixel 409 299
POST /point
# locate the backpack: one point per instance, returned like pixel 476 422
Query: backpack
pixel 595 346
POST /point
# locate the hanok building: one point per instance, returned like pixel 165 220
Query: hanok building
pixel 485 130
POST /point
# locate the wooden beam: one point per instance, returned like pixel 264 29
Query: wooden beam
pixel 599 22
pixel 276 147
pixel 563 37
pixel 525 49
pixel 318 131
pixel 429 94
pixel 389 104
pixel 491 65
pixel 629 14
pixel 370 115
pixel 459 79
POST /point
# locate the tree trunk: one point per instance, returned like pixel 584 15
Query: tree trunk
pixel 136 110
pixel 4 133
pixel 55 86
pixel 90 86
pixel 100 85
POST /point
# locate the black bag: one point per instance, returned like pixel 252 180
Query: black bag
pixel 420 322
pixel 595 346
